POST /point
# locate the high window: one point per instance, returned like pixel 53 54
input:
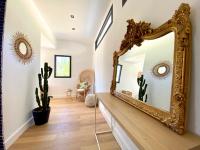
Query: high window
pixel 106 25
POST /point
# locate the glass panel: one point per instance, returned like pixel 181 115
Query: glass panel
pixel 104 30
pixel 22 48
pixel 106 25
pixel 63 66
pixel 137 76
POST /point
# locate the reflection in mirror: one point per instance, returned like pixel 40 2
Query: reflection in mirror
pixel 137 79
pixel 118 75
pixel 162 70
pixel 22 48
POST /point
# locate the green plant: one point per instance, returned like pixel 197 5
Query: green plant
pixel 44 100
pixel 142 88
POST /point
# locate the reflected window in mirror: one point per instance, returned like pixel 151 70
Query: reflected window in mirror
pixel 137 77
pixel 118 75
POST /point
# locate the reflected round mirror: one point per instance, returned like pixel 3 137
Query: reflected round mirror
pixel 161 70
pixel 22 48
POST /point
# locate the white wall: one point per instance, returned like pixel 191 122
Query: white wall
pixel 19 80
pixel 130 72
pixel 81 59
pixel 160 50
pixel 156 12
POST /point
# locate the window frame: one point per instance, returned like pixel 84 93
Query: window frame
pixel 110 14
pixel 55 66
pixel 123 2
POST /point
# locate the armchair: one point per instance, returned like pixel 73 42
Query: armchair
pixel 85 85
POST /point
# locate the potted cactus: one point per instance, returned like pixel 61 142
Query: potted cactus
pixel 41 113
pixel 142 88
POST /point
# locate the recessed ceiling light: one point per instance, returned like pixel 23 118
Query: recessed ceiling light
pixel 72 16
pixel 73 28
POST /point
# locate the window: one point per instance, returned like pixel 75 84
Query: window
pixel 62 66
pixel 119 71
pixel 106 25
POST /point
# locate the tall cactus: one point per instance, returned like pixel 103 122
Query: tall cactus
pixel 44 100
pixel 142 88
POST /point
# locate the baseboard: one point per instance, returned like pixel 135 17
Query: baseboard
pixel 11 139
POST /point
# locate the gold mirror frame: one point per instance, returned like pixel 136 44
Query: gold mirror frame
pixel 136 33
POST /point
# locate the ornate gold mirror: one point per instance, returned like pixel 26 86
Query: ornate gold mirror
pixel 22 48
pixel 141 49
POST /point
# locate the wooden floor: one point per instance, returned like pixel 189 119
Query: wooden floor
pixel 70 127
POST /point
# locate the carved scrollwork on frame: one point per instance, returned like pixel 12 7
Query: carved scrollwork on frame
pixel 136 33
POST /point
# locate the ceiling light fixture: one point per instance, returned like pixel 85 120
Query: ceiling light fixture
pixel 72 16
pixel 73 28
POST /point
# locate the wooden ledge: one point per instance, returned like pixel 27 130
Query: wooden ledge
pixel 146 132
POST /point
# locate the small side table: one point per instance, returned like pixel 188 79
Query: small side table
pixel 69 92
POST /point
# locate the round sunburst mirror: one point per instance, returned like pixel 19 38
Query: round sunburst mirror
pixel 161 70
pixel 22 48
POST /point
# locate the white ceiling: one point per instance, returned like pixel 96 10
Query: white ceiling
pixel 88 16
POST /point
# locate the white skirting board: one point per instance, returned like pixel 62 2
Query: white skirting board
pixel 10 140
pixel 120 135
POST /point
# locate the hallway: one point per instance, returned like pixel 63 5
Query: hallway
pixel 70 127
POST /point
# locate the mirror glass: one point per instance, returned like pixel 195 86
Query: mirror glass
pixel 22 48
pixel 135 77
pixel 162 70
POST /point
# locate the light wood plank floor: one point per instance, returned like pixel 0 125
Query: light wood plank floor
pixel 70 127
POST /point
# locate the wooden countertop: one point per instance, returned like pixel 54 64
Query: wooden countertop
pixel 146 132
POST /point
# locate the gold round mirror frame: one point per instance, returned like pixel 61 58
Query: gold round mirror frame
pixel 159 66
pixel 24 56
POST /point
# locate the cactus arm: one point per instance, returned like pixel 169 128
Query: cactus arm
pixel 138 81
pixel 42 73
pixel 145 98
pixel 142 77
pixel 143 83
pixel 144 90
pixel 40 82
pixel 42 99
pixel 37 98
pixel 50 71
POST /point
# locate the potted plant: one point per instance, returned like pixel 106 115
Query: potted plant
pixel 41 113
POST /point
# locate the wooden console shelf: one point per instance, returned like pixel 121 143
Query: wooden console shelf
pixel 146 132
